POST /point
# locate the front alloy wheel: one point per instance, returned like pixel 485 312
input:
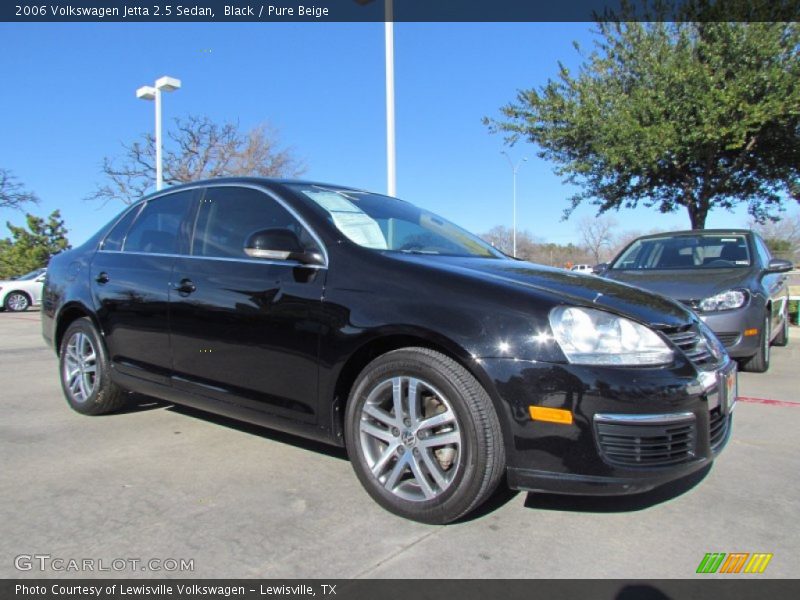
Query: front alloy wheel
pixel 759 362
pixel 410 437
pixel 423 436
pixel 17 302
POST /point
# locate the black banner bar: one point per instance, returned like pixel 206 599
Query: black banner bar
pixel 732 588
pixel 403 10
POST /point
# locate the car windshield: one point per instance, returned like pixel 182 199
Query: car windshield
pixel 388 224
pixel 31 275
pixel 707 251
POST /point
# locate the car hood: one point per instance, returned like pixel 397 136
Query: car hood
pixel 694 284
pixel 564 287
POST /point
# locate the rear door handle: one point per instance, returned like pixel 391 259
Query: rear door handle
pixel 102 278
pixel 185 287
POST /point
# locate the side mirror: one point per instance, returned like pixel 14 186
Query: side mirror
pixel 280 244
pixel 778 265
pixel 601 268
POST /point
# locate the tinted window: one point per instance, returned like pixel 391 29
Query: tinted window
pixel 711 251
pixel 30 276
pixel 117 235
pixel 228 216
pixel 157 227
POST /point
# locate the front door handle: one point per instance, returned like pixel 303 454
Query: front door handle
pixel 102 278
pixel 185 287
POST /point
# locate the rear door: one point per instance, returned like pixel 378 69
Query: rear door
pixel 246 331
pixel 130 277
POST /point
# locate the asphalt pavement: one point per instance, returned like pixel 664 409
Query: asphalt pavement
pixel 165 483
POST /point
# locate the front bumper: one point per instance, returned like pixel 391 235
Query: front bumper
pixel 633 428
pixel 730 326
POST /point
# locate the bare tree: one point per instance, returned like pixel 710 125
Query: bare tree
pixel 12 193
pixel 501 237
pixel 597 234
pixel 200 149
pixel 781 235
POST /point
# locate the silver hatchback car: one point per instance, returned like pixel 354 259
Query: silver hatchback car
pixel 727 276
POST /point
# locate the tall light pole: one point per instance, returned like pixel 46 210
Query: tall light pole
pixel 146 92
pixel 391 155
pixel 514 169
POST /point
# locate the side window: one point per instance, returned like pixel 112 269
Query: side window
pixel 229 215
pixel 764 254
pixel 157 228
pixel 117 235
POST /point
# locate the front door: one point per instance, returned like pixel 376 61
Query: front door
pixel 244 330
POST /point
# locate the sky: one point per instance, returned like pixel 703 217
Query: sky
pixel 69 100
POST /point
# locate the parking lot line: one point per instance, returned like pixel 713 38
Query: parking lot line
pixel 767 401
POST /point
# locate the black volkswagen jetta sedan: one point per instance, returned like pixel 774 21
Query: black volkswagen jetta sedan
pixel 360 320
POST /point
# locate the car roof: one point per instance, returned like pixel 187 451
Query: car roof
pixel 691 232
pixel 265 181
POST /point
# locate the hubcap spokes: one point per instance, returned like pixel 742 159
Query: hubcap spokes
pixel 410 437
pixel 80 367
pixel 17 302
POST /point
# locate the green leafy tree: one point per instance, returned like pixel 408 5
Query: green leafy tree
pixel 690 114
pixel 33 246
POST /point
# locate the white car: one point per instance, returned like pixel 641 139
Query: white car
pixel 585 269
pixel 22 293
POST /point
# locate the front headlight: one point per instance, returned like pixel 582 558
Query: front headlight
pixel 724 301
pixel 594 337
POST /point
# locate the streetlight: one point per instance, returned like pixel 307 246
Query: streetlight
pixel 391 156
pixel 146 92
pixel 514 169
pixel 391 153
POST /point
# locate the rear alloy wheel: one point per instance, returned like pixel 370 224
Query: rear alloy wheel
pixel 759 362
pixel 84 369
pixel 782 339
pixel 423 436
pixel 17 302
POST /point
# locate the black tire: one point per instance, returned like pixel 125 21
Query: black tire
pixel 17 302
pixel 759 362
pixel 782 339
pixel 90 391
pixel 448 392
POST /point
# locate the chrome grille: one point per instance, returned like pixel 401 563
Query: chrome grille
pixel 693 345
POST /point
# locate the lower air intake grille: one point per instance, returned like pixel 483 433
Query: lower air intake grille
pixel 647 445
pixel 728 339
pixel 718 428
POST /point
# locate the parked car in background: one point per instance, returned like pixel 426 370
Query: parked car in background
pixel 587 269
pixel 22 292
pixel 727 276
pixel 363 321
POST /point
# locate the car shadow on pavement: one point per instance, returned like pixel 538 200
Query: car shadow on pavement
pixel 262 432
pixel 612 504
pixel 140 403
pixel 502 496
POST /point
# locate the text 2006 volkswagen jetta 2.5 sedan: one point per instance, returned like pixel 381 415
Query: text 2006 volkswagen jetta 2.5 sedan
pixel 360 320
